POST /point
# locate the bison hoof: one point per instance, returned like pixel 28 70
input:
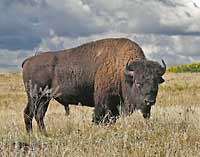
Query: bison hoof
pixel 146 115
pixel 66 113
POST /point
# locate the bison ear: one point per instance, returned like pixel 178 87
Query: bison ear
pixel 161 80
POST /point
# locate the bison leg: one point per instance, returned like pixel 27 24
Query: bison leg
pixel 146 111
pixel 64 103
pixel 42 106
pixel 107 111
pixel 28 116
pixel 66 110
pixel 99 114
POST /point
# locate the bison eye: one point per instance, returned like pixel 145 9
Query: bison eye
pixel 138 85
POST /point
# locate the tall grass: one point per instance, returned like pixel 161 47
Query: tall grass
pixel 173 129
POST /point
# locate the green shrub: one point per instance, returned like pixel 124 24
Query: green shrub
pixel 194 67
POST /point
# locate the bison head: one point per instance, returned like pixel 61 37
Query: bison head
pixel 142 78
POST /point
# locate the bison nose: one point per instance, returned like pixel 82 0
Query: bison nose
pixel 149 102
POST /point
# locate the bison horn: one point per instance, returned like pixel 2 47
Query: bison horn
pixel 164 67
pixel 128 71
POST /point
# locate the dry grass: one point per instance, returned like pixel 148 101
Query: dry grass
pixel 173 130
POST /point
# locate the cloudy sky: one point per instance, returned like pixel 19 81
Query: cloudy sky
pixel 165 29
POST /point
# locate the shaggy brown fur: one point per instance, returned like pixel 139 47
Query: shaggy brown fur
pixel 91 74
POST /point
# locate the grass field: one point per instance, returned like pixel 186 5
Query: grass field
pixel 173 129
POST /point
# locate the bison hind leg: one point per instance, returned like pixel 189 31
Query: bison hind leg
pixel 41 109
pixel 107 112
pixel 28 116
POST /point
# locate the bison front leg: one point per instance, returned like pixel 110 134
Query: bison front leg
pixel 146 112
pixel 66 109
pixel 106 109
pixel 100 112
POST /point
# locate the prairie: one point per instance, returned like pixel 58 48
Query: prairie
pixel 172 130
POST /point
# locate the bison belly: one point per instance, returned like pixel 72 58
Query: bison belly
pixel 74 95
pixel 75 84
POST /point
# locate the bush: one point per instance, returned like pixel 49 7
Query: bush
pixel 194 67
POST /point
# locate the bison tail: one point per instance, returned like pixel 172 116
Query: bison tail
pixel 23 62
pixel 27 59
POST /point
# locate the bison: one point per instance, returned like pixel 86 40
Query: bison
pixel 112 75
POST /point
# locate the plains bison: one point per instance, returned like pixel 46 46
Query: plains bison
pixel 111 75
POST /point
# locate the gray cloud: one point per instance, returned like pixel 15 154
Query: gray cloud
pixel 171 3
pixel 144 17
pixel 11 60
pixel 195 5
pixel 26 23
pixel 174 49
pixel 164 28
pixel 18 28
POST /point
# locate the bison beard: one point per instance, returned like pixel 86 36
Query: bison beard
pixel 103 74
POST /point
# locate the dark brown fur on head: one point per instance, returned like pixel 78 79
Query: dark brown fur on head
pixel 143 78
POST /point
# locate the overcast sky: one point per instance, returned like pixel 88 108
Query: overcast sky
pixel 165 29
